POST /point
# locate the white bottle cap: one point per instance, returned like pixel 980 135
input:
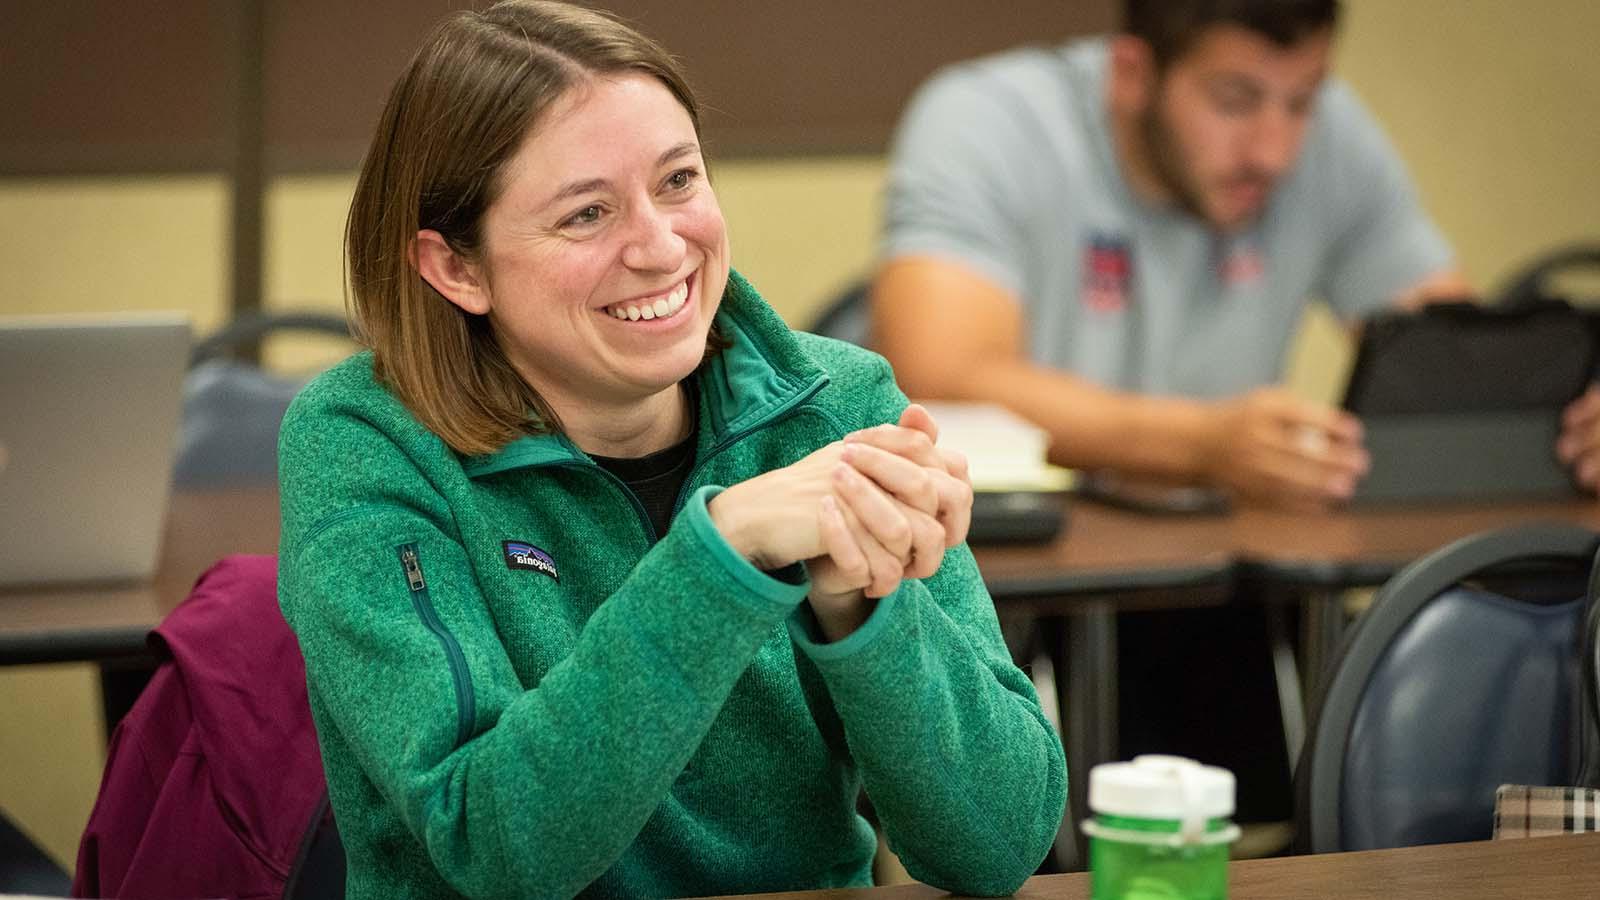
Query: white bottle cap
pixel 1163 787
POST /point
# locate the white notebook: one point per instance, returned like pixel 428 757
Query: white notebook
pixel 1004 451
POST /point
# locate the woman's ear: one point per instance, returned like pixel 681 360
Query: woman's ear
pixel 451 274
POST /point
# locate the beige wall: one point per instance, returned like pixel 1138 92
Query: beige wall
pixel 51 752
pixel 105 244
pixel 1495 106
pixel 1492 102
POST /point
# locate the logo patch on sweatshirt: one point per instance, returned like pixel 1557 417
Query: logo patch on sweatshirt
pixel 523 555
pixel 1107 273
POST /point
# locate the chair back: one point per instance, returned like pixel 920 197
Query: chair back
pixel 1463 675
pixel 232 408
pixel 848 317
pixel 1590 687
pixel 1536 281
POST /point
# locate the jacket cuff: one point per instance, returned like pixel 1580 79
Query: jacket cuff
pixel 786 591
pixel 807 635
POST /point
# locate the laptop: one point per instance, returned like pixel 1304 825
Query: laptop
pixel 89 411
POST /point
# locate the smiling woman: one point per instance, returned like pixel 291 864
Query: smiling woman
pixel 608 583
pixel 459 134
pixel 602 263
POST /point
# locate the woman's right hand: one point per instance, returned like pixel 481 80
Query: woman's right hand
pixel 861 518
pixel 933 488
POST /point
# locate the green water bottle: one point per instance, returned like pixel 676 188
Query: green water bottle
pixel 1159 830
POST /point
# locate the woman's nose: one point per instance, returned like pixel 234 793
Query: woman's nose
pixel 652 243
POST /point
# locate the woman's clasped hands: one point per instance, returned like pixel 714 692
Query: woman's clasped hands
pixel 863 513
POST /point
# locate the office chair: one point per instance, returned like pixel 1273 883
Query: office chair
pixel 847 316
pixel 232 408
pixel 1463 675
pixel 1533 282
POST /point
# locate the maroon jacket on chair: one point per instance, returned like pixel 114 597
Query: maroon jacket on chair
pixel 213 781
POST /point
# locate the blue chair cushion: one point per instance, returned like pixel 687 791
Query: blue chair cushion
pixel 231 415
pixel 1476 691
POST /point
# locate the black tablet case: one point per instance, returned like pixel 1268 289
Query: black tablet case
pixel 1463 402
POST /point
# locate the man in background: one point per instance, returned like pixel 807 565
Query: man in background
pixel 1117 238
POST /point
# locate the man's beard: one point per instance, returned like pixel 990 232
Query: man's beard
pixel 1167 162
pixel 1172 169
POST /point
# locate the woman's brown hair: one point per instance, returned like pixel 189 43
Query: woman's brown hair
pixel 456 115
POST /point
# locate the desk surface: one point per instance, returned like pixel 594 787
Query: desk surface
pixel 1110 550
pixel 104 621
pixel 1102 551
pixel 1549 867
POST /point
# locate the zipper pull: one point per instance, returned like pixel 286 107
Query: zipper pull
pixel 408 558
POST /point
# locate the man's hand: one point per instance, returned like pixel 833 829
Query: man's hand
pixel 1271 447
pixel 1578 447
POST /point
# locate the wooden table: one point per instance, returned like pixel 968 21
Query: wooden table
pixel 1109 559
pixel 1104 556
pixel 99 622
pixel 1548 868
pixel 1107 550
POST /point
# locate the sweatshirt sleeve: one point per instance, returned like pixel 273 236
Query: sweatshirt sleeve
pixel 499 783
pixel 964 769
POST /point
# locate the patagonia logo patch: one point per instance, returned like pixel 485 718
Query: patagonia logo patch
pixel 522 555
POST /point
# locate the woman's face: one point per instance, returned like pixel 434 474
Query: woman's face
pixel 605 255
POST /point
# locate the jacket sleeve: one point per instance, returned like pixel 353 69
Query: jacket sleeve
pixel 499 783
pixel 965 771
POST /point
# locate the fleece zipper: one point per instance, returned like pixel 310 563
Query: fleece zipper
pixel 466 711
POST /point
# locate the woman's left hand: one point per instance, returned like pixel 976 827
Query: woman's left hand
pixel 911 481
pixel 915 439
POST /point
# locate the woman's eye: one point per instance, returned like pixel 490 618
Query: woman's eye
pixel 681 179
pixel 589 215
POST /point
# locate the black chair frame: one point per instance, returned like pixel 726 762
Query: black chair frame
pixel 1320 775
pixel 1590 771
pixel 242 336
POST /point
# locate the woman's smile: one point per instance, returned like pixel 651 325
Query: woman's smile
pixel 653 307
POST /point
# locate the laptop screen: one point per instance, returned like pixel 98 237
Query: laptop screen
pixel 89 411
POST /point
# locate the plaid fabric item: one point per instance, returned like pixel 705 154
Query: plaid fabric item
pixel 1522 811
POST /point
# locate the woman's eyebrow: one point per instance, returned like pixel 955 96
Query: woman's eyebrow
pixel 687 148
pixel 574 188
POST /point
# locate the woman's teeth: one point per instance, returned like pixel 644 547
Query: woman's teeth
pixel 662 308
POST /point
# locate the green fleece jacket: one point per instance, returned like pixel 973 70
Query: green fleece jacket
pixel 522 691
